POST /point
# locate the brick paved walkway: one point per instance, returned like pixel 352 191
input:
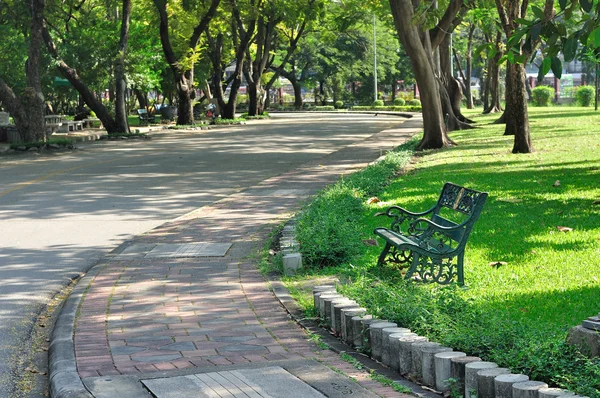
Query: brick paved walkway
pixel 143 314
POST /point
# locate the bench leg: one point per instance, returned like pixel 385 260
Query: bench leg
pixel 460 270
pixel 413 266
pixel 383 254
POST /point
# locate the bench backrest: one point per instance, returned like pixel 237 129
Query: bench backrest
pixel 463 200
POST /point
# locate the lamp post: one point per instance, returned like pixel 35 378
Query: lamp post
pixel 374 58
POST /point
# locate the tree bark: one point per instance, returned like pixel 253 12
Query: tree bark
pixel 28 110
pixel 469 67
pixel 451 108
pixel 516 115
pixel 493 79
pixel 121 114
pixel 417 44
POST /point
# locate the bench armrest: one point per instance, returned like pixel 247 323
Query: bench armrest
pixel 400 215
pixel 397 211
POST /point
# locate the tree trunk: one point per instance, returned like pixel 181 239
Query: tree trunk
pixel 297 94
pixel 185 95
pixel 517 120
pixel 451 100
pixel 142 98
pixel 28 111
pixel 469 68
pixel 417 45
pixel 121 114
pixel 494 104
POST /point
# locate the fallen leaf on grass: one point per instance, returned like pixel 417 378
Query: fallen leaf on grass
pixel 373 199
pixel 497 263
pixel 379 213
pixel 564 229
pixel 31 370
pixel 596 202
pixel 556 184
pixel 370 242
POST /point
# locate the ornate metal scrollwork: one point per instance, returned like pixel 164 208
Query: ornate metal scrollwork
pixel 431 270
pixel 400 258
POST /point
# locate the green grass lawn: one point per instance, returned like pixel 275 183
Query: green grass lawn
pixel 517 314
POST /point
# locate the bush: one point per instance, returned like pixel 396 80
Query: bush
pixel 378 103
pixel 338 104
pixel 414 102
pixel 584 95
pixel 399 102
pixel 329 229
pixel 323 108
pixel 542 95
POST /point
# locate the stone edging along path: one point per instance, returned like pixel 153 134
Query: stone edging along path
pixel 428 363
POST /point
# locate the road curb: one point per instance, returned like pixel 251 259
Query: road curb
pixel 63 379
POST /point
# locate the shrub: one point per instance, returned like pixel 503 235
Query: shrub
pixel 323 108
pixel 542 95
pixel 584 95
pixel 329 229
pixel 378 103
pixel 414 102
pixel 339 104
pixel 399 102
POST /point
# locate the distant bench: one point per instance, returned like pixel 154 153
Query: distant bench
pixel 427 247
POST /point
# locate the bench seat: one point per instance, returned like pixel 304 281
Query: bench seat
pixel 428 246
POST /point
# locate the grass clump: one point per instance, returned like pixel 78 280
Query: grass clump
pixel 265 115
pixel 229 122
pixel 328 231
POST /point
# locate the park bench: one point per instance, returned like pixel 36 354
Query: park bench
pixel 145 117
pixel 428 244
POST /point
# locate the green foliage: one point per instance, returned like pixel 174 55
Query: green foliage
pixel 322 108
pixel 378 103
pixel 329 229
pixel 265 115
pixel 414 102
pixel 399 102
pixel 338 104
pixel 405 108
pixel 227 122
pixel 542 95
pixel 584 95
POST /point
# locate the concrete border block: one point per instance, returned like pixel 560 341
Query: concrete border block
pixel 485 381
pixel 547 392
pixel 443 368
pixel 394 355
pixel 527 389
pixel 416 350
pixel 347 327
pixel 405 352
pixel 357 328
pixel 325 303
pixel 366 332
pixel 336 314
pixel 471 370
pixel 428 363
pixel 503 384
pixel 376 331
pixel 292 262
pixel 386 345
pixel 458 370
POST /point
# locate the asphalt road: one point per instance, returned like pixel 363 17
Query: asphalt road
pixel 61 212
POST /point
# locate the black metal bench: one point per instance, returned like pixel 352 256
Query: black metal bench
pixel 429 247
pixel 145 117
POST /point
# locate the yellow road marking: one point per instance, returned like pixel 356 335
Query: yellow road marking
pixel 47 176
